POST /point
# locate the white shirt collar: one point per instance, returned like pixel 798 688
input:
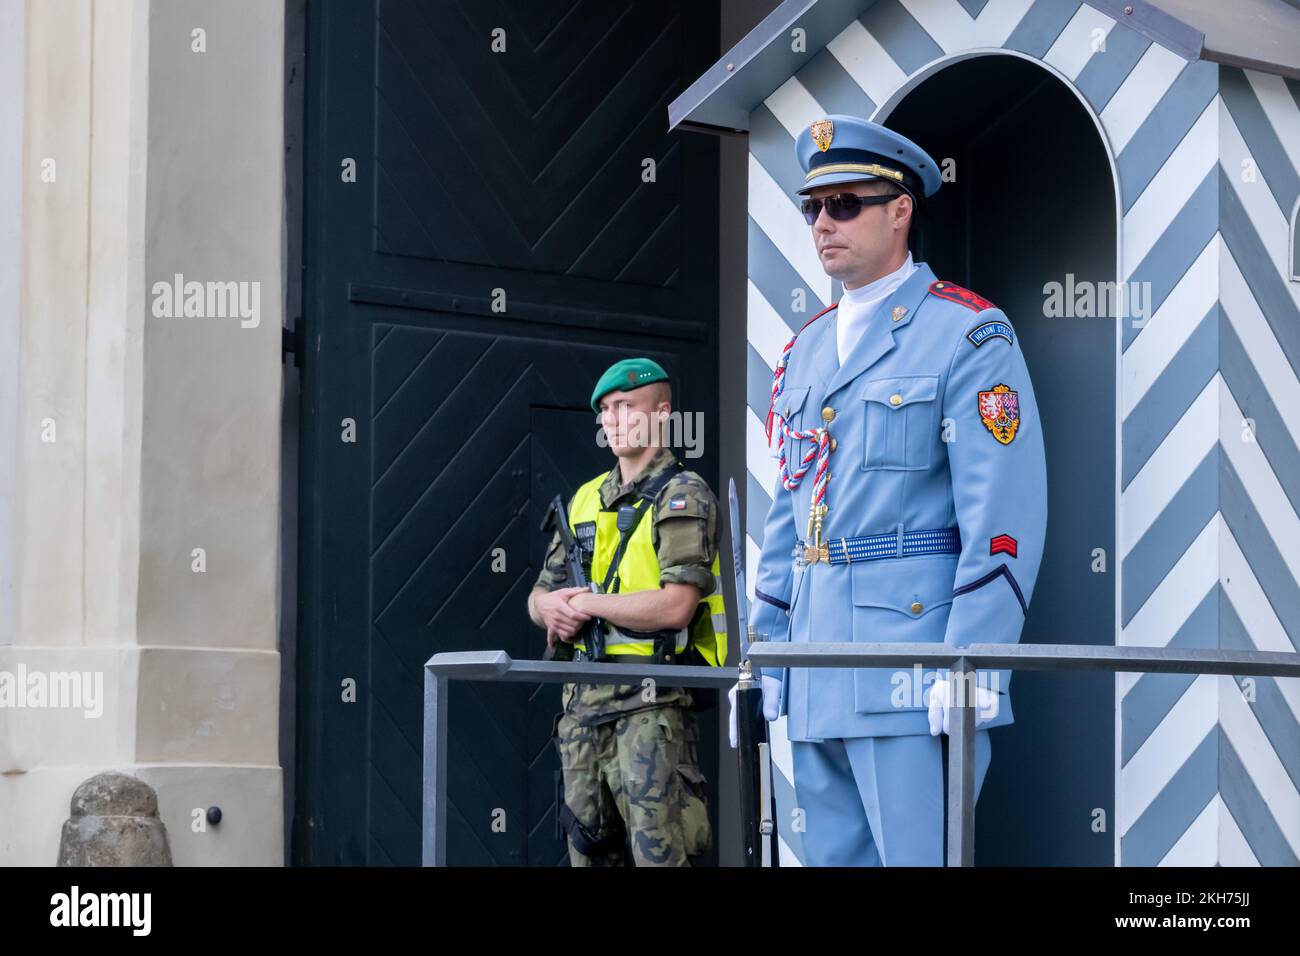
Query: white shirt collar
pixel 856 306
pixel 872 289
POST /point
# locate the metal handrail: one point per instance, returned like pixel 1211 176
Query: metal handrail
pixel 498 665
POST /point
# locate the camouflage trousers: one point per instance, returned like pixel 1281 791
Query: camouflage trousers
pixel 635 778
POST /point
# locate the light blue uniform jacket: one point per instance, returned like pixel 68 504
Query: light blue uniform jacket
pixel 912 453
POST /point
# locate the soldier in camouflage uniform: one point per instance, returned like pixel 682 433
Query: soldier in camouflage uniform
pixel 628 752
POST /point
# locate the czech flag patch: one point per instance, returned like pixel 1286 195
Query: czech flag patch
pixel 677 504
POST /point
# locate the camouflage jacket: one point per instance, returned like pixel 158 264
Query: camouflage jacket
pixel 685 545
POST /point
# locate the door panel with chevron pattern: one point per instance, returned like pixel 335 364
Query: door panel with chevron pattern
pixel 517 221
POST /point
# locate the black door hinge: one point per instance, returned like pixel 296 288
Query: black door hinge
pixel 291 343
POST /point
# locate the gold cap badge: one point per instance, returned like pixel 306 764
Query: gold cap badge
pixel 822 131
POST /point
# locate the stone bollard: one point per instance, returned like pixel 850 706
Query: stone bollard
pixel 114 822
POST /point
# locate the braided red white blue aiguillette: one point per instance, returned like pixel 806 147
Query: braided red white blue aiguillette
pixel 820 448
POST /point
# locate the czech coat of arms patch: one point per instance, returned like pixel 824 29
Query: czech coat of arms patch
pixel 1000 412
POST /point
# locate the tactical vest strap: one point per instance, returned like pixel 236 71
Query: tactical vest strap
pixel 647 499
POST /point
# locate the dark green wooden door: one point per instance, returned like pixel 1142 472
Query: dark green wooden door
pixel 497 250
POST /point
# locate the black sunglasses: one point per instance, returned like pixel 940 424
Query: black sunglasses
pixel 842 206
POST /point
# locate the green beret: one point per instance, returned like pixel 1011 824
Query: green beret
pixel 626 375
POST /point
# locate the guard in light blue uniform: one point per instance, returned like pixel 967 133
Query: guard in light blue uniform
pixel 911 507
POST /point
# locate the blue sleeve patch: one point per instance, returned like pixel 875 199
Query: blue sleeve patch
pixel 996 329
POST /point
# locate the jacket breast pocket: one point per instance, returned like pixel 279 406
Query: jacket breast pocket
pixel 790 406
pixel 900 422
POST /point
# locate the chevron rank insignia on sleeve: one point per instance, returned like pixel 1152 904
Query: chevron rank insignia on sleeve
pixel 1003 544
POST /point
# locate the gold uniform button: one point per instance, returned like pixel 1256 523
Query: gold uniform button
pixel 828 414
pixel 917 608
pixel 832 444
pixel 895 399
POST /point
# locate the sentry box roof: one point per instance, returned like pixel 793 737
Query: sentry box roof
pixel 1259 35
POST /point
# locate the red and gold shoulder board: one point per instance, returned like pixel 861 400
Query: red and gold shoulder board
pixel 955 293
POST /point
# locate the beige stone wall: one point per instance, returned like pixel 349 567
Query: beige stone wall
pixel 166 429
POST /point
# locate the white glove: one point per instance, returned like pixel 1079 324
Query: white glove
pixel 986 706
pixel 771 703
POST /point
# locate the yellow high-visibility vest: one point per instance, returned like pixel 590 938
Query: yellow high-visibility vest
pixel 639 571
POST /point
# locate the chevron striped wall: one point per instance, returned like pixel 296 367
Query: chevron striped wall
pixel 1211 489
pixel 1207 161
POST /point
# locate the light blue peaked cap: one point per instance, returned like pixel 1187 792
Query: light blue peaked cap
pixel 845 149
